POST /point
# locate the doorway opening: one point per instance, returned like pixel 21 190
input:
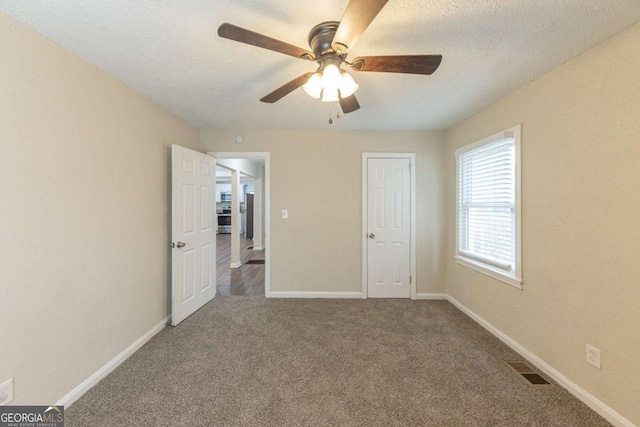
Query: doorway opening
pixel 242 209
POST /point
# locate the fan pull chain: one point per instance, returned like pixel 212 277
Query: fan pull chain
pixel 331 114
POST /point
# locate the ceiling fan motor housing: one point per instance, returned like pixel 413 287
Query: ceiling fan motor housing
pixel 320 39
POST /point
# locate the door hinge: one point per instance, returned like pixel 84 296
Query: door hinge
pixel 173 245
pixel 410 280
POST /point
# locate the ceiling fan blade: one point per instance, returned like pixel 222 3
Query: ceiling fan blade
pixel 409 64
pixel 287 88
pixel 232 32
pixel 349 104
pixel 356 19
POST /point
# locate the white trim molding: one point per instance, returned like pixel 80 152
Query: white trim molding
pixel 311 294
pixel 235 264
pixel 487 270
pixel 431 296
pixel 412 212
pixel 590 400
pixel 86 385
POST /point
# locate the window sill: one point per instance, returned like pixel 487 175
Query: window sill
pixel 489 271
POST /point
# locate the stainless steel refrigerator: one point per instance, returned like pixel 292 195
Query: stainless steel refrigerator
pixel 249 206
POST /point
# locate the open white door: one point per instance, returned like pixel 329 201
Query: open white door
pixel 193 233
pixel 388 228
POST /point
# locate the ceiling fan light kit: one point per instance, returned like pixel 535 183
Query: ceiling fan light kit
pixel 330 42
pixel 328 81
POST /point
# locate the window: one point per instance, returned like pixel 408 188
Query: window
pixel 488 211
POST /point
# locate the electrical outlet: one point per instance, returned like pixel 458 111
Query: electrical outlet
pixel 594 357
pixel 285 214
pixel 6 392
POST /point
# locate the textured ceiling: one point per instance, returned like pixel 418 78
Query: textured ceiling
pixel 169 51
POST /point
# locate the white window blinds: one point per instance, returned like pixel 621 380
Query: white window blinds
pixel 487 204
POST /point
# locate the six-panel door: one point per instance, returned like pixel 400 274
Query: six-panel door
pixel 193 231
pixel 389 228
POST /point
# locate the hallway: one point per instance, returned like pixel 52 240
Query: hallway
pixel 246 280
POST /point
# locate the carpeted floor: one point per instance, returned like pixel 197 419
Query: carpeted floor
pixel 252 361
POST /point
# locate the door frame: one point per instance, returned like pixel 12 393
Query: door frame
pixel 412 214
pixel 267 204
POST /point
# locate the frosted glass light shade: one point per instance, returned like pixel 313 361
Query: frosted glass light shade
pixel 313 86
pixel 331 76
pixel 347 85
pixel 330 94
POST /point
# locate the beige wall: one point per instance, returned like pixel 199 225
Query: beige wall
pixel 84 167
pixel 317 176
pixel 580 217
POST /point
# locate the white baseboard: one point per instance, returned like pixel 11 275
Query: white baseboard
pixel 258 248
pixel 590 400
pixel 235 265
pixel 432 296
pixel 81 389
pixel 303 294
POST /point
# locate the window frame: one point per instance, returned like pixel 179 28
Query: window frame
pixel 514 279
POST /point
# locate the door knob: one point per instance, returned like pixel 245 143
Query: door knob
pixel 181 244
pixel 371 235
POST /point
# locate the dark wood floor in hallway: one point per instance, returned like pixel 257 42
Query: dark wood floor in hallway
pixel 246 280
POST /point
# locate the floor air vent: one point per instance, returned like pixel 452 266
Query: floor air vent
pixel 528 373
pixel 255 261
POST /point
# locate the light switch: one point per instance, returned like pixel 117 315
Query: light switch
pixel 285 214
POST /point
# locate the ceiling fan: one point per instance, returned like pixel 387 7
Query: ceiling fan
pixel 330 43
